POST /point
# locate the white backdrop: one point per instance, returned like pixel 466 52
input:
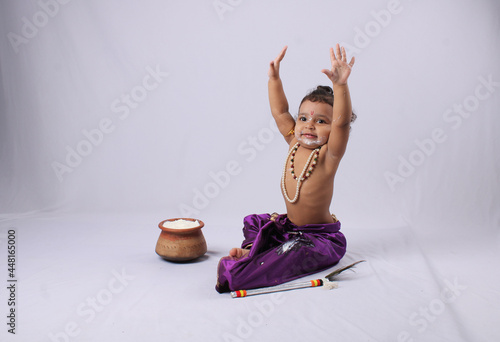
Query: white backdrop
pixel 160 108
pixel 66 73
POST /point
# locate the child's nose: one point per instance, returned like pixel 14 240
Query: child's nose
pixel 310 124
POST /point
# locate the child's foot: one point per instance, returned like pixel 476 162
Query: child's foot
pixel 238 252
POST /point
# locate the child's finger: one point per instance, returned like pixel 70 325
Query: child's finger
pixel 272 69
pixel 332 56
pixel 339 54
pixel 327 72
pixel 283 52
pixel 344 57
pixel 351 63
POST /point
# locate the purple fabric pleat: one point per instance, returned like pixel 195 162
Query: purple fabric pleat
pixel 280 251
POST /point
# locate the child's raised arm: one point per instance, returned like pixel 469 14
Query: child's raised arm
pixel 277 99
pixel 342 108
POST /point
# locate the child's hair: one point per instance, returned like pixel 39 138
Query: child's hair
pixel 323 94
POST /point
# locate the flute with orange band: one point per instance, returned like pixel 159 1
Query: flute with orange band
pixel 284 287
pixel 326 282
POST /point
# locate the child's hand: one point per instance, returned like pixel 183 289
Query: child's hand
pixel 340 69
pixel 274 66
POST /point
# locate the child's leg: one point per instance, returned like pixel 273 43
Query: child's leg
pixel 276 258
pixel 251 227
pixel 252 224
pixel 285 262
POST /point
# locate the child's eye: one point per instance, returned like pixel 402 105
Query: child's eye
pixel 302 118
pixel 321 121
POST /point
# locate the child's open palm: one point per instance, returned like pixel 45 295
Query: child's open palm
pixel 340 68
pixel 274 66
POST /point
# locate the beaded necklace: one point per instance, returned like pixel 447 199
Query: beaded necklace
pixel 306 172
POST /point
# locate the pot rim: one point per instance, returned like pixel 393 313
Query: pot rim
pixel 181 230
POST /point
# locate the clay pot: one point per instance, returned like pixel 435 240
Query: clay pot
pixel 181 244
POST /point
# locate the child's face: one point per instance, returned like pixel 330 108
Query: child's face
pixel 313 124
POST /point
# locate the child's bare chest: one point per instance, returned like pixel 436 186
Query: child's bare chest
pixel 307 176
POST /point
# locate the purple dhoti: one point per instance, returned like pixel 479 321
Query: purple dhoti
pixel 280 251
